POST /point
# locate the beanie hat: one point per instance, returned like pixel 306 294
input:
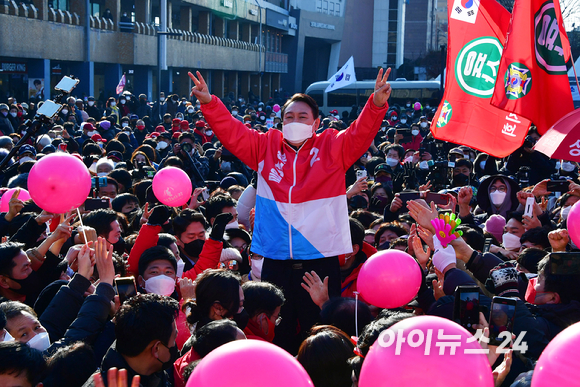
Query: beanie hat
pixel 105 125
pixel 184 125
pixel 230 254
pixel 176 121
pixel 495 225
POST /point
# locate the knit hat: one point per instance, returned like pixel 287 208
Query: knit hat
pixel 184 125
pixel 105 124
pixel 160 128
pixel 175 122
pixel 230 254
pixel 495 225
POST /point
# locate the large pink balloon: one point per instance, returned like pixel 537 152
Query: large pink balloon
pixel 412 368
pixel 573 222
pixel 172 186
pixel 249 363
pixel 559 360
pixel 389 279
pixel 59 183
pixel 5 201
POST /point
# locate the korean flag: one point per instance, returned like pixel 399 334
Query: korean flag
pixel 344 77
pixel 465 10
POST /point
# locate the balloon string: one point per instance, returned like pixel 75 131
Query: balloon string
pixel 83 227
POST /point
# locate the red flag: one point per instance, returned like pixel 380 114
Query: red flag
pixel 532 78
pixel 121 85
pixel 477 29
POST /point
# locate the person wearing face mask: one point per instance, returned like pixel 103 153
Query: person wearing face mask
pixel 416 139
pixel 111 107
pixel 203 133
pixel 163 144
pixel 568 168
pixel 92 109
pixel 143 108
pixel 497 195
pixel 236 113
pixel 5 124
pixel 13 117
pixel 159 109
pixel 295 167
pixel 394 155
pixel 263 302
pixel 146 332
pixel 26 153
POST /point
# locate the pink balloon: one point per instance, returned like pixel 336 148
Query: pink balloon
pixel 573 222
pixel 558 361
pixel 276 108
pixel 389 279
pixel 59 183
pixel 275 367
pixel 5 201
pixel 172 186
pixel 412 368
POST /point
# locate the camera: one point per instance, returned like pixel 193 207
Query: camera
pixel 186 147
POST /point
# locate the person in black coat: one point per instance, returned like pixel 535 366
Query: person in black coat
pixel 92 109
pixel 143 108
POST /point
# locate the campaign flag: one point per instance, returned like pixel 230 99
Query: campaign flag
pixel 532 78
pixel 344 77
pixel 121 85
pixel 465 116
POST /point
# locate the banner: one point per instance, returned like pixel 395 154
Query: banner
pixel 532 77
pixel 121 85
pixel 344 77
pixel 465 116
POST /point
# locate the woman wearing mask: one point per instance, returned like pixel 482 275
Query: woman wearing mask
pixel 112 108
pixel 497 194
pixel 569 169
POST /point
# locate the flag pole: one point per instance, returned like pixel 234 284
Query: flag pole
pixel 574 67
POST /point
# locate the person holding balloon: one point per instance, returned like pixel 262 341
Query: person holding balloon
pixel 303 173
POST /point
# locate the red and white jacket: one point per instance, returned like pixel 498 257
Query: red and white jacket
pixel 301 207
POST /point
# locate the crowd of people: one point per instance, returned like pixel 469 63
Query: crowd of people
pixel 287 206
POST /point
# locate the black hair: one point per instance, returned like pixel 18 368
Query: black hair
pixel 398 230
pixel 90 148
pixel 299 97
pixel 216 204
pixel 140 190
pixel 153 254
pixel 365 217
pixel 565 285
pixel 371 332
pixel 530 257
pixel 214 285
pixel 398 148
pixel 324 356
pixel 463 162
pixel 185 218
pixel 517 215
pixel 166 240
pixel 262 297
pixel 339 312
pixel 17 358
pixel 142 319
pixel 537 236
pixel 173 161
pixel 9 251
pixel 148 150
pixel 101 220
pixel 186 135
pixel 213 335
pixel 121 200
pixel 13 309
pixel 115 145
pixel 474 238
pixel 78 357
pixel 357 232
pixel 2 320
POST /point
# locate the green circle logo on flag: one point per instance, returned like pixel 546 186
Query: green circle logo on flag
pixel 547 42
pixel 445 115
pixel 477 64
pixel 518 81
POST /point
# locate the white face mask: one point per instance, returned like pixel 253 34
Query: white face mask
pixel 13 114
pixel 234 112
pixel 5 113
pixel 424 124
pixel 92 133
pixel 161 284
pixel 257 269
pixel 162 99
pixel 41 341
pixel 64 111
pixel 497 198
pixel 231 225
pixel 113 103
pixel 511 241
pixel 122 102
pixel 25 159
pixel 424 165
pixel 124 124
pixel 180 267
pixel 7 336
pixel 391 162
pixel 297 131
pixel 190 110
pixel 567 166
pixel 565 211
pixel 161 145
pixel 101 174
pixel 91 103
pixel 482 164
pixel 414 132
pixel 403 120
pixel 209 133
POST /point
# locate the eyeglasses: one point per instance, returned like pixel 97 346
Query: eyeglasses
pixel 500 189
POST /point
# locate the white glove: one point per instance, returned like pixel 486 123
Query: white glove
pixel 443 257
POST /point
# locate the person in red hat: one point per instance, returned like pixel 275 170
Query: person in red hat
pixel 98 139
pixel 184 125
pixel 203 133
pixel 160 129
pixel 176 125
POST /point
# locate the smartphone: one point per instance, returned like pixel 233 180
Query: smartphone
pixel 565 263
pixel 97 182
pixel 558 186
pixel 48 109
pixel 466 307
pixel 407 136
pixel 360 173
pixel 529 210
pixel 406 196
pixel 125 288
pixel 95 204
pixel 487 245
pixel 441 199
pixel 501 320
pixel 205 194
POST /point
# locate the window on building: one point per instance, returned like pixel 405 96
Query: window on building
pixel 59 4
pixel 342 97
